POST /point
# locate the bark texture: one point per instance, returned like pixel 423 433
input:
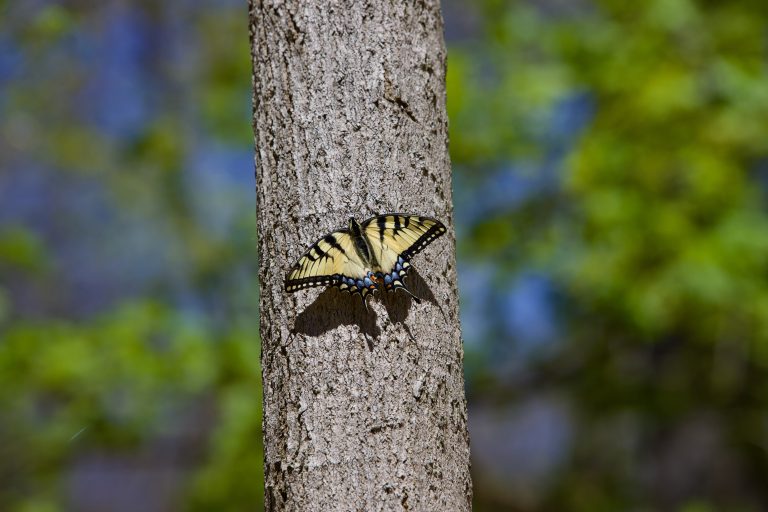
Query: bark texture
pixel 363 410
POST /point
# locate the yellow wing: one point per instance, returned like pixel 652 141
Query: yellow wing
pixel 332 260
pixel 396 235
pixel 393 239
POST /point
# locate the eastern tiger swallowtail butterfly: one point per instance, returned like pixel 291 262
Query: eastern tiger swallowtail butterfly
pixel 365 257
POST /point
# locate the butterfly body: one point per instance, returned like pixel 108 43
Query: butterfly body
pixel 366 256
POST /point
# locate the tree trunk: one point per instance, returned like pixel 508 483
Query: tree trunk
pixel 363 410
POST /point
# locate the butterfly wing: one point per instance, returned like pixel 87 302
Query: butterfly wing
pixel 395 238
pixel 332 260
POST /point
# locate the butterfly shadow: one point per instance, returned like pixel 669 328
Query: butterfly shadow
pixel 398 303
pixel 333 308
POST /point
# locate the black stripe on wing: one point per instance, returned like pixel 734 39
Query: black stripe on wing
pixel 324 249
pixel 381 223
pixel 331 240
pixel 424 240
pixel 344 283
pixel 294 285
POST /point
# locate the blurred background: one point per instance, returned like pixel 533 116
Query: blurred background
pixel 610 179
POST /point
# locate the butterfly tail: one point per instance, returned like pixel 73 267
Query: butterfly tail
pixel 399 285
pixel 363 294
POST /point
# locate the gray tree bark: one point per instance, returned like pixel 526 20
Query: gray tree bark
pixel 363 410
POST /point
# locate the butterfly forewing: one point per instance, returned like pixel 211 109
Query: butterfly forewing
pixel 395 235
pixel 326 263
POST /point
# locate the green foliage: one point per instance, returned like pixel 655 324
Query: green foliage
pixel 21 250
pixel 656 233
pixel 128 308
pixel 227 60
pixel 116 384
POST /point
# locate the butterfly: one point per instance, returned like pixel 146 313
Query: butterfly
pixel 366 256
